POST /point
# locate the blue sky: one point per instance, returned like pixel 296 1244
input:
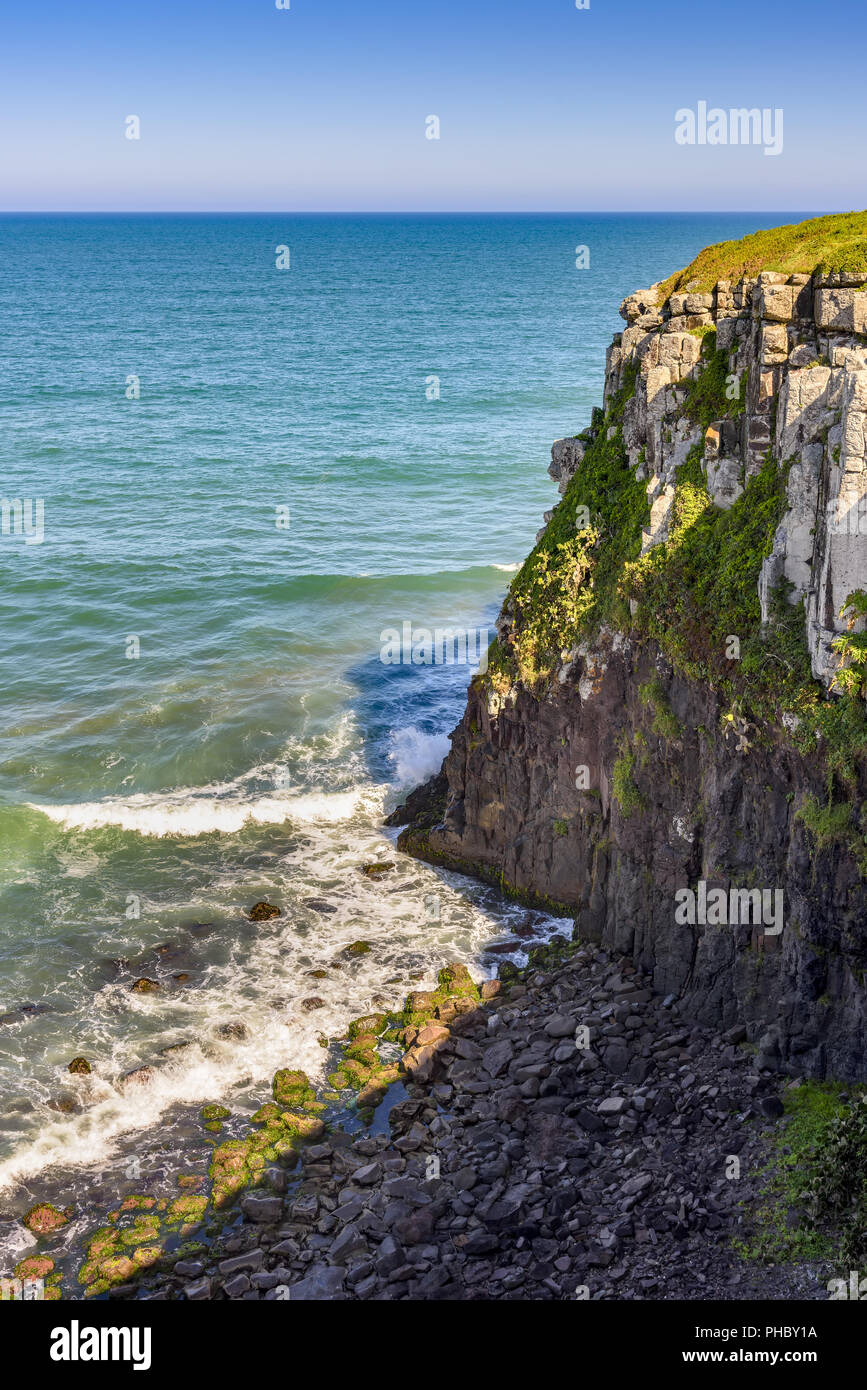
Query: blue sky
pixel 322 107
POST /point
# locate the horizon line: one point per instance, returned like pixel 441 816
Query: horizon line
pixel 408 212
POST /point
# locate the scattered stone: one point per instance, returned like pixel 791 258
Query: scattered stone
pixel 263 912
pixel 234 1031
pixel 376 869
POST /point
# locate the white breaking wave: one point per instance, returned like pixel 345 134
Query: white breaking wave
pixel 507 569
pixel 188 813
pixel 416 755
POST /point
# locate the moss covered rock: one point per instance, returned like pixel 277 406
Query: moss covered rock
pixel 292 1089
pixel 45 1218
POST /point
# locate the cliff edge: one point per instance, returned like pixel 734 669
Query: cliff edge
pixel 670 741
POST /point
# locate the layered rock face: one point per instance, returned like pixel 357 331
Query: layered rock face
pixel 798 359
pixel 604 801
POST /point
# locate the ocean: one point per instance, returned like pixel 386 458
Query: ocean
pixel 246 475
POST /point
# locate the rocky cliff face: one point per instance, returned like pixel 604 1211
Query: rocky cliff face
pixel 798 357
pixel 641 736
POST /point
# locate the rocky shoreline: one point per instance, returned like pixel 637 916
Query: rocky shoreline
pixel 570 1135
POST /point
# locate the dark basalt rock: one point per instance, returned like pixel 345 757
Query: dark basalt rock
pixel 706 811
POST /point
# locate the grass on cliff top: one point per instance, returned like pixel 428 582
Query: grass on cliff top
pixel 835 243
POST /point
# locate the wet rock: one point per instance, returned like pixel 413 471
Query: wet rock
pixel 319 905
pixel 141 1076
pixel 314 1002
pixel 79 1066
pixel 263 912
pixel 376 869
pixel 145 986
pixel 44 1218
pixel 233 1031
pixel 357 948
pixel 262 1207
pixel 214 1112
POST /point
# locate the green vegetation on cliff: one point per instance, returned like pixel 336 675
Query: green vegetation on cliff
pixel 569 584
pixel 695 595
pixel 836 243
pixel 814 1203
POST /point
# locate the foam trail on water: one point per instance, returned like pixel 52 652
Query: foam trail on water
pixel 189 813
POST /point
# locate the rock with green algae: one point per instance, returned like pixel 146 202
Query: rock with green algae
pixel 456 979
pixel 268 1114
pixel 369 1023
pixel 79 1066
pixel 215 1112
pixel 363 1051
pixel 263 912
pixel 145 986
pixel 145 1228
pixel 357 948
pixel 146 1256
pixel 187 1211
pixel 293 1089
pixel 137 1203
pixel 45 1218
pixel 377 868
pixel 229 1170
pixel 371 1095
pixel 34 1267
pixel 303 1125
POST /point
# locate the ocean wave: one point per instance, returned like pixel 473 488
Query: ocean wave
pixel 415 755
pixel 190 813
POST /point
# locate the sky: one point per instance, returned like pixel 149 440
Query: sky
pixel 325 106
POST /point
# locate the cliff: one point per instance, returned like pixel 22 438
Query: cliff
pixel 670 741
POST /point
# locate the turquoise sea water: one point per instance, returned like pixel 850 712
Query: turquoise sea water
pixel 251 746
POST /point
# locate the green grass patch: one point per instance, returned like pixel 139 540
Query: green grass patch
pixel 814 1198
pixel 824 244
pixel 624 787
pixel 665 722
